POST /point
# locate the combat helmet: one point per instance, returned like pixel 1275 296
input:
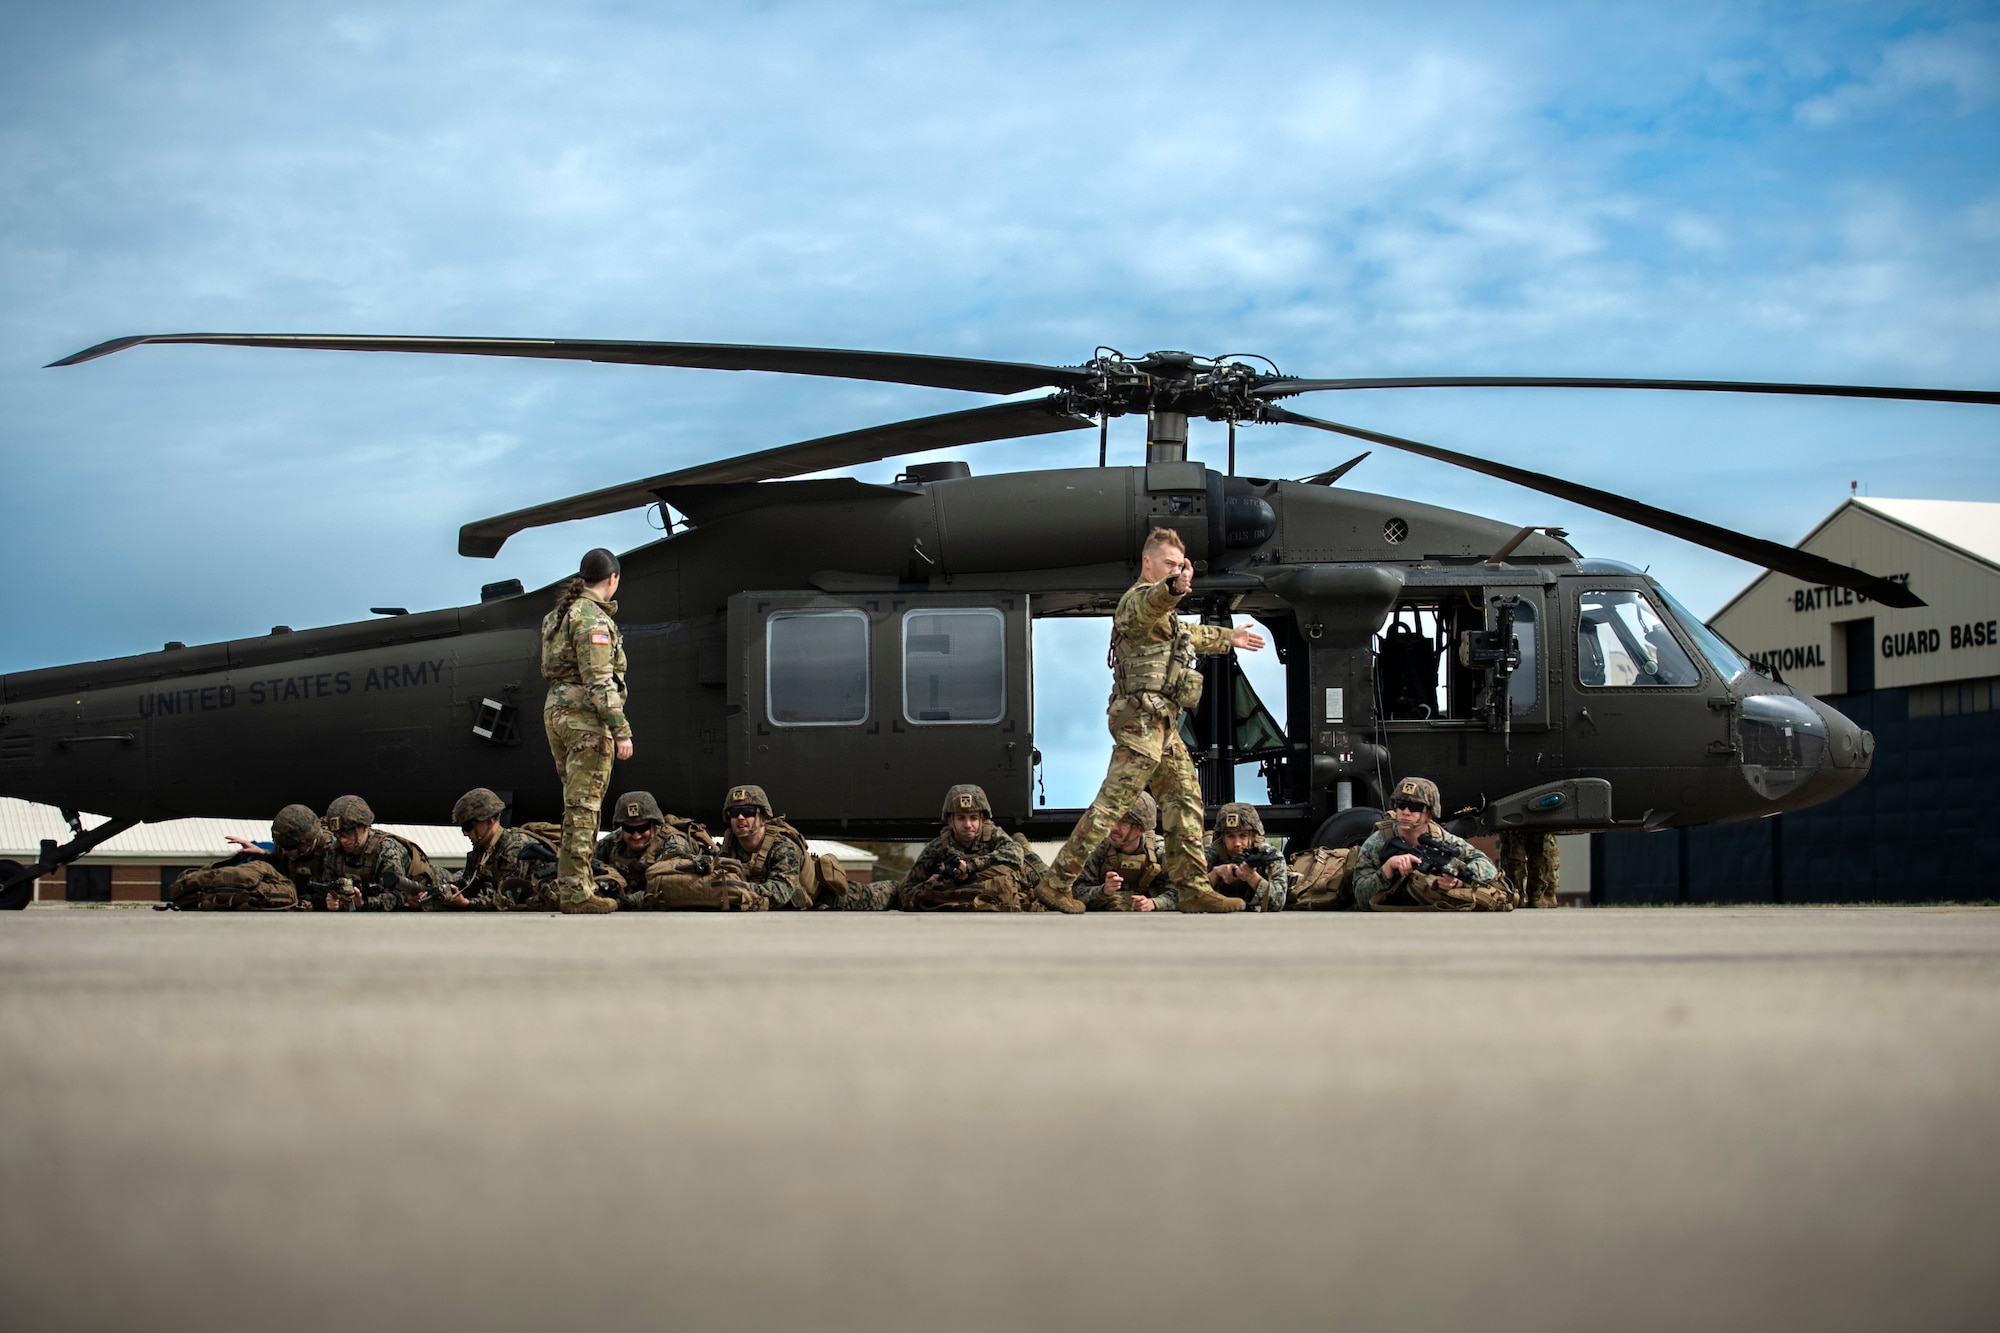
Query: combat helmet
pixel 636 807
pixel 1145 812
pixel 747 794
pixel 1419 789
pixel 296 826
pixel 1237 816
pixel 348 812
pixel 965 796
pixel 475 805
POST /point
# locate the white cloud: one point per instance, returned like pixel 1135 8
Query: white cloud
pixel 1964 62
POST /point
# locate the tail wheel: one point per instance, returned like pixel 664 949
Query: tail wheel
pixel 1349 828
pixel 17 896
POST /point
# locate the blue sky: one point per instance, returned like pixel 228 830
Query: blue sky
pixel 1713 191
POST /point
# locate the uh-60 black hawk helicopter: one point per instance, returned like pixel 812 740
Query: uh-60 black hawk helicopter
pixel 854 648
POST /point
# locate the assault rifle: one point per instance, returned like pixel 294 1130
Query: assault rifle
pixel 1260 856
pixel 954 866
pixel 1434 855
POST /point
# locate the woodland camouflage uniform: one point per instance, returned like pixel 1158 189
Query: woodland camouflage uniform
pixel 583 659
pixel 1154 678
pixel 1534 863
pixel 995 878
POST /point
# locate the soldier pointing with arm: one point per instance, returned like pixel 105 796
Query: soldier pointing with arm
pixel 1153 678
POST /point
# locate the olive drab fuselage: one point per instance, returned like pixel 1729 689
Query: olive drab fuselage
pixel 813 638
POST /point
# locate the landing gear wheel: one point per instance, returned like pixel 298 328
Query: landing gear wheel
pixel 16 898
pixel 1349 828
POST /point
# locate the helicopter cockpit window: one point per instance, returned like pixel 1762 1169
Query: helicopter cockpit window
pixel 1621 641
pixel 816 668
pixel 954 665
pixel 1728 663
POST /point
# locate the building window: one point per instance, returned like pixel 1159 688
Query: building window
pixel 1954 698
pixel 87 884
pixel 1621 641
pixel 816 668
pixel 954 665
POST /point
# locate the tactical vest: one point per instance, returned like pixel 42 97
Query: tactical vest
pixel 1138 869
pixel 361 866
pixel 1156 666
pixel 821 877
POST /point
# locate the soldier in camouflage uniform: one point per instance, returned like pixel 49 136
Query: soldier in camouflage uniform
pixel 364 869
pixel 1153 678
pixel 499 871
pixel 1533 863
pixel 298 846
pixel 1125 870
pixel 642 839
pixel 1397 885
pixel 1238 827
pixel 583 659
pixel 970 867
pixel 774 855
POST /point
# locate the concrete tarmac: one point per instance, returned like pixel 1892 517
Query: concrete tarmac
pixel 1665 1119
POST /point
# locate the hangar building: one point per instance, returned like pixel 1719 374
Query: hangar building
pixel 1925 681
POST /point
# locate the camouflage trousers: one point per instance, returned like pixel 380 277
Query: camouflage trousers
pixel 1146 755
pixel 1534 864
pixel 583 752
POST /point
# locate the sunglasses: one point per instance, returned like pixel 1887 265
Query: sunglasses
pixel 1418 806
pixel 635 829
pixel 743 812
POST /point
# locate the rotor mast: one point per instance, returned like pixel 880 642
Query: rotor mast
pixel 1166 437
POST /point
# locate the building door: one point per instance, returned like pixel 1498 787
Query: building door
pixel 867 706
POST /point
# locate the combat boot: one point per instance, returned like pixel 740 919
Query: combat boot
pixel 1056 900
pixel 1201 898
pixel 595 904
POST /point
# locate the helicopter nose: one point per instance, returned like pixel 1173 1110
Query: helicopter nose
pixel 1849 752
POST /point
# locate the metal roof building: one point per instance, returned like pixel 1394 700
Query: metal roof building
pixel 1925 681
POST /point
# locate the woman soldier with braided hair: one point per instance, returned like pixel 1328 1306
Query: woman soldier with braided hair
pixel 583 659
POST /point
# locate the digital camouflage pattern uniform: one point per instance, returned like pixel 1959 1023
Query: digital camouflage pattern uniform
pixel 368 868
pixel 299 842
pixel 1274 879
pixel 777 869
pixel 994 879
pixel 666 844
pixel 1142 872
pixel 1533 862
pixel 500 877
pixel 1370 885
pixel 583 659
pixel 1271 895
pixel 1153 678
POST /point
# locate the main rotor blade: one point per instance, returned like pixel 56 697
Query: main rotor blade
pixel 1002 421
pixel 1783 559
pixel 1286 388
pixel 938 372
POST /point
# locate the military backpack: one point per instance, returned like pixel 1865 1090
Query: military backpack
pixel 233 886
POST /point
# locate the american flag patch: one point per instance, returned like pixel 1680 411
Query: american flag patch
pixel 599 636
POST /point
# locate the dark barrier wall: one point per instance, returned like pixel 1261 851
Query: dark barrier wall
pixel 1917 829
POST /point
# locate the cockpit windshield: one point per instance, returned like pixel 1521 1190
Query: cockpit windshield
pixel 1727 663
